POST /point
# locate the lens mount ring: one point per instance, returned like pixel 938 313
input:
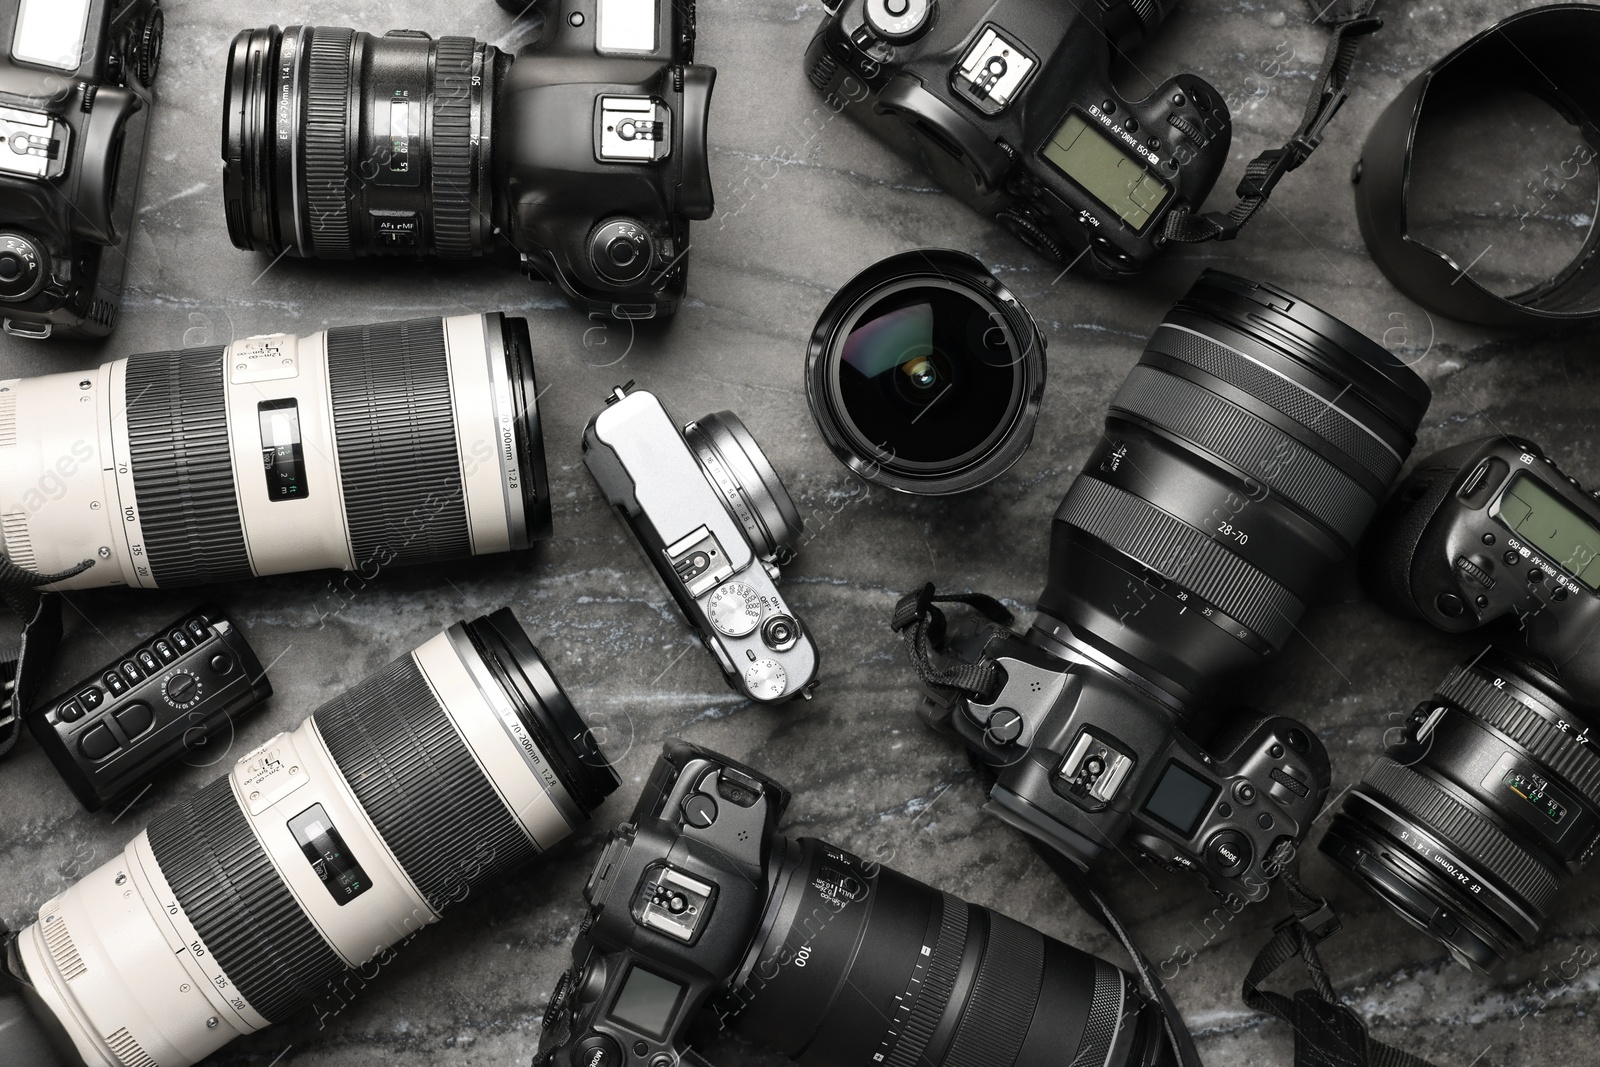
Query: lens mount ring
pixel 744 478
pixel 326 141
pixel 1485 846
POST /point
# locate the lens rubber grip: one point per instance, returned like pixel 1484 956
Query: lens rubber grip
pixel 999 1010
pixel 944 968
pixel 1480 841
pixel 327 142
pixel 452 148
pixel 1566 757
pixel 250 922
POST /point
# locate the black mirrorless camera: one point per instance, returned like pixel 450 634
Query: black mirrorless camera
pixel 1011 107
pixel 75 79
pixel 584 159
pixel 1487 802
pixel 700 910
pixel 1243 458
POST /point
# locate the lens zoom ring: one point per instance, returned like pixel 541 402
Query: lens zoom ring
pixel 1560 751
pixel 1105 1016
pixel 249 921
pixel 1183 554
pixel 1265 453
pixel 452 147
pixel 1480 841
pixel 327 142
pixel 937 985
pixel 395 429
pixel 1004 995
pixel 418 782
pixel 183 483
pixel 1310 411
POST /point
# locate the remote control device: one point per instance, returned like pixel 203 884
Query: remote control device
pixel 171 694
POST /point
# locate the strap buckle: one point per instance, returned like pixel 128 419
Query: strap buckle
pixel 1318 926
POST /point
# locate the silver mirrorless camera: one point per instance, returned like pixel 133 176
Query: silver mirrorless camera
pixel 715 521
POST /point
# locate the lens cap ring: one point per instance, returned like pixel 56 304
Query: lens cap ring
pixel 1564 38
pixel 947 276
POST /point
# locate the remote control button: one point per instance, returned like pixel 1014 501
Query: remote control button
pixel 70 711
pixel 97 742
pixel 222 663
pixel 197 627
pixel 92 698
pixel 1228 853
pixel 134 719
pixel 165 651
pixel 130 671
pixel 181 641
pixel 148 661
pixel 113 681
pixel 182 689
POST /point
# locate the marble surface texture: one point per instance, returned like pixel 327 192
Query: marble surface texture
pixel 805 202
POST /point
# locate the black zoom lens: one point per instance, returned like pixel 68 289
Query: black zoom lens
pixel 860 964
pixel 339 144
pixel 925 375
pixel 1244 455
pixel 1473 824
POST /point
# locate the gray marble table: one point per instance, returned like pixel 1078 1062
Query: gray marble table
pixel 805 203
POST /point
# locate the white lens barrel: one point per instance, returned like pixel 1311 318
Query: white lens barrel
pixel 320 850
pixel 355 449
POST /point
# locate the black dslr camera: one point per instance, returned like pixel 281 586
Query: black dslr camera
pixel 583 160
pixel 701 911
pixel 1011 107
pixel 1242 459
pixel 1487 801
pixel 74 110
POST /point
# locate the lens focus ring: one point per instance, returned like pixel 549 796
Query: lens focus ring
pixel 327 141
pixel 452 147
pixel 1480 841
pixel 944 967
pixel 1557 749
pixel 1183 554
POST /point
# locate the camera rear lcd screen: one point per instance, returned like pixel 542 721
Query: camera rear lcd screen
pixel 646 1002
pixel 50 33
pixel 1180 798
pixel 1107 173
pixel 1552 526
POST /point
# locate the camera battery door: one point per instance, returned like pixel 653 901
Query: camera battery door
pixel 71 160
pixel 174 696
pixel 696 520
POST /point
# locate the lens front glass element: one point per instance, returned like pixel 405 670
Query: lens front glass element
pixel 928 377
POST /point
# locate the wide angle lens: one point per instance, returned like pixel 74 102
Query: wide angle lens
pixel 1243 457
pixel 925 374
pixel 322 848
pixel 338 144
pixel 360 448
pixel 1470 828
pixel 861 964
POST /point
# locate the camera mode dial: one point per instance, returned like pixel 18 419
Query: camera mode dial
pixel 181 689
pixel 621 251
pixel 22 272
pixel 899 20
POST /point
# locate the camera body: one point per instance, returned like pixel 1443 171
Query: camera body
pixel 1087 757
pixel 649 958
pixel 1492 529
pixel 74 113
pixel 1010 106
pixel 715 522
pixel 603 154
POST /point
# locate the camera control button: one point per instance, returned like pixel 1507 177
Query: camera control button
pixel 135 719
pixel 222 663
pixel 1228 853
pixel 597 1051
pixel 70 711
pixel 92 698
pixel 1449 605
pixel 1005 726
pixel 1264 821
pixel 1244 793
pixel 97 742
pixel 734 609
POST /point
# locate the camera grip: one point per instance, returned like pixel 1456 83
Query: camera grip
pixel 696 200
pixel 97 179
pixel 905 98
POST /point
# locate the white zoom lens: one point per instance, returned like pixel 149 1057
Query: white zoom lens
pixel 357 448
pixel 320 850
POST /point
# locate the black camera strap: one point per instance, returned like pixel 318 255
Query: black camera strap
pixel 41 636
pixel 1326 1032
pixel 1350 20
pixel 918 617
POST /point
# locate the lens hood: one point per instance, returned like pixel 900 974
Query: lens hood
pixel 1547 52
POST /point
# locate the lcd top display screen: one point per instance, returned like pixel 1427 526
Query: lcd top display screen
pixel 1106 172
pixel 1552 526
pixel 1180 799
pixel 646 1002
